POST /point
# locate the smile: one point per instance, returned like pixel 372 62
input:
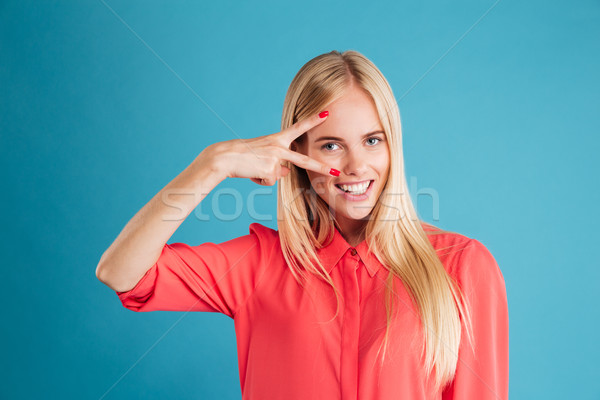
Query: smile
pixel 357 188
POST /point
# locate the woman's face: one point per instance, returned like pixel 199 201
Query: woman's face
pixel 352 141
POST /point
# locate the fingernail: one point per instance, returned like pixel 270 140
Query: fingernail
pixel 323 114
pixel 334 172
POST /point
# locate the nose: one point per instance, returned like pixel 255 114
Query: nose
pixel 355 162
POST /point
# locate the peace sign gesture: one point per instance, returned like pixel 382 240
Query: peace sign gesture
pixel 260 159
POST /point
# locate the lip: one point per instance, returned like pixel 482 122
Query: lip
pixel 357 197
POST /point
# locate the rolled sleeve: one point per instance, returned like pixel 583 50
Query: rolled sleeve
pixel 209 277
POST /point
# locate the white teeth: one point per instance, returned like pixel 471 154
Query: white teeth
pixel 355 189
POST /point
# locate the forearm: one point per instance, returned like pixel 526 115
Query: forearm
pixel 139 245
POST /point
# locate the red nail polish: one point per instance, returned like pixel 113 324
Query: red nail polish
pixel 334 172
pixel 323 114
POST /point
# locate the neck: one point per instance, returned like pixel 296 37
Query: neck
pixel 354 233
pixel 354 241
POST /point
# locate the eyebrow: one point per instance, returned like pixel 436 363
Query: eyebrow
pixel 322 138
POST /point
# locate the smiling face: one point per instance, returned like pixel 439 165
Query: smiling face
pixel 352 141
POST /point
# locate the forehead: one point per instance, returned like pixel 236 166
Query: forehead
pixel 352 115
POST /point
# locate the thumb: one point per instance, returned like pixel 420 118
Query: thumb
pixel 284 171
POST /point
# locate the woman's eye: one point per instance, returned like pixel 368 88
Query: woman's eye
pixel 328 146
pixel 374 138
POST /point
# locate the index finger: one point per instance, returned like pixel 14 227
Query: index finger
pixel 293 132
pixel 306 162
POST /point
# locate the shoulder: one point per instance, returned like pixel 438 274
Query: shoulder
pixel 448 245
pixel 263 233
pixel 267 238
pixel 464 257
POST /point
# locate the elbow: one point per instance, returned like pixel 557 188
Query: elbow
pixel 101 269
pixel 118 285
pixel 101 274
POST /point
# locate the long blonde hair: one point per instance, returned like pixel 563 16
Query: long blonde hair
pixel 393 232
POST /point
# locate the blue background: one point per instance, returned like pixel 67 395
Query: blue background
pixel 103 103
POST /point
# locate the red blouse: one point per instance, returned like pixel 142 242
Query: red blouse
pixel 288 345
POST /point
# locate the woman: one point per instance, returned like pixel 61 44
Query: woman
pixel 353 297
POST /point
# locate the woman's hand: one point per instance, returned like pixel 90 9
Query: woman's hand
pixel 260 159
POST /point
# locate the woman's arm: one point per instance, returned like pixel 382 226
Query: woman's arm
pixel 139 245
pixel 141 241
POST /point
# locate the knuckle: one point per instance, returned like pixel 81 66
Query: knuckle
pixel 265 170
pixel 272 160
pixel 279 153
pixel 274 148
pixel 281 138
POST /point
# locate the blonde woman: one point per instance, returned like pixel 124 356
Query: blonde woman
pixel 353 297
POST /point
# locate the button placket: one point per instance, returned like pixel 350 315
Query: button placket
pixel 350 330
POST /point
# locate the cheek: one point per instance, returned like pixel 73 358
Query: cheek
pixel 384 169
pixel 385 164
pixel 385 161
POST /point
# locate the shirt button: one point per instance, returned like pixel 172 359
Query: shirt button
pixel 353 252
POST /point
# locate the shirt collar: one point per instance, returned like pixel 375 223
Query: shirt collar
pixel 331 253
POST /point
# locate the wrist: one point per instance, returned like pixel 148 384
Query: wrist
pixel 214 160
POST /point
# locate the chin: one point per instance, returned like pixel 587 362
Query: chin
pixel 362 215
